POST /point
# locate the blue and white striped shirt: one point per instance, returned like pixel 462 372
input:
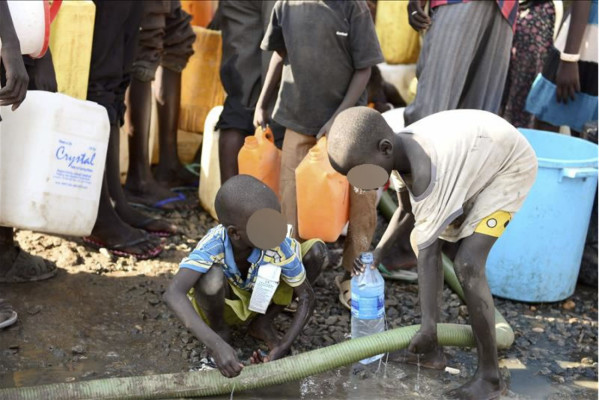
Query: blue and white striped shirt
pixel 216 248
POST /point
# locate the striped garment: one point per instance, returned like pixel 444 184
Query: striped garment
pixel 215 248
pixel 509 8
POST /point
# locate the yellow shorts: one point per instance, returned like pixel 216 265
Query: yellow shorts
pixel 494 224
pixel 237 310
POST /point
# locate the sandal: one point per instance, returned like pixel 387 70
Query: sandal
pixel 9 314
pixel 28 268
pixel 344 291
pixel 118 250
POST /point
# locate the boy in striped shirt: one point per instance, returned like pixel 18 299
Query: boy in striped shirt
pixel 214 285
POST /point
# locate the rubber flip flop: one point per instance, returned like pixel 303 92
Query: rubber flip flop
pixel 158 206
pixel 9 321
pixel 344 291
pixel 398 275
pixel 117 249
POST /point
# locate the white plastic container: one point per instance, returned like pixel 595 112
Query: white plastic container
pixel 52 158
pixel 210 166
pixel 32 20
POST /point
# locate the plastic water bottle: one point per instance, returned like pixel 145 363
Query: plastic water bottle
pixel 367 303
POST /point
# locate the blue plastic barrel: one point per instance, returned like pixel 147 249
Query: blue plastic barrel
pixel 537 259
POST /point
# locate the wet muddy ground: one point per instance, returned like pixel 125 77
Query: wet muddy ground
pixel 104 317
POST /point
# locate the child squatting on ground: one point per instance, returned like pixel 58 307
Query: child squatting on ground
pixel 467 172
pixel 215 283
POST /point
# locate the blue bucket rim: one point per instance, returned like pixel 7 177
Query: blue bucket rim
pixel 557 163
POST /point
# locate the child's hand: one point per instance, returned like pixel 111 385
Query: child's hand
pixel 226 361
pixel 261 117
pixel 359 268
pixel 567 81
pixel 17 79
pixel 325 129
pixel 418 18
pixel 259 356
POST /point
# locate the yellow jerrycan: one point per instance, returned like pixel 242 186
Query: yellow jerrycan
pixel 201 88
pixel 71 39
pixel 322 196
pixel 260 158
pixel 399 42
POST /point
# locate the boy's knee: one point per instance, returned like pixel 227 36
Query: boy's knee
pixel 212 282
pixel 468 268
pixel 314 259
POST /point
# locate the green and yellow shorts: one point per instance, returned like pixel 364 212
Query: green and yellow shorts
pixel 237 310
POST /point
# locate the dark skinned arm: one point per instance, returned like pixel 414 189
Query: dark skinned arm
pixel 43 75
pixel 305 308
pixel 271 83
pixel 399 225
pixel 567 79
pixel 416 15
pixel 176 298
pixel 16 75
pixel 357 85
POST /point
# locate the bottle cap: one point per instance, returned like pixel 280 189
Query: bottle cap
pixel 366 258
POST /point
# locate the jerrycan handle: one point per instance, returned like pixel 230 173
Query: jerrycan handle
pixel 54 9
pixel 265 134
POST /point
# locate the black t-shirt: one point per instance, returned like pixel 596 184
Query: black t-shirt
pixel 325 41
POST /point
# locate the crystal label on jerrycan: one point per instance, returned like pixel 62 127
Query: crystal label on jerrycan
pixel 75 167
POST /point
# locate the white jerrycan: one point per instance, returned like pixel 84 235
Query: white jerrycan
pixel 52 158
pixel 210 167
pixel 32 20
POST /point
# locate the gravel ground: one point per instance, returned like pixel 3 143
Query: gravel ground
pixel 103 316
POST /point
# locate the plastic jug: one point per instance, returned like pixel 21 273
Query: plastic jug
pixel 52 157
pixel 200 11
pixel 322 196
pixel 210 167
pixel 32 20
pixel 260 158
pixel 400 43
pixel 71 45
pixel 201 88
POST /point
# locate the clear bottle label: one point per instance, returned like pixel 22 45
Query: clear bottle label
pixel 367 307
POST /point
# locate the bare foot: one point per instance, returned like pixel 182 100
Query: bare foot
pixel 433 360
pixel 399 256
pixel 156 196
pixel 263 329
pixel 423 342
pixel 172 177
pixel 479 389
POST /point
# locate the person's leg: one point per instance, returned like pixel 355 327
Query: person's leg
pixel 140 186
pixel 210 293
pixel 399 254
pixel 362 224
pixel 235 123
pixel 470 268
pixel 486 75
pixel 545 126
pixel 295 148
pixel 16 265
pixel 447 53
pixel 178 47
pixel 230 143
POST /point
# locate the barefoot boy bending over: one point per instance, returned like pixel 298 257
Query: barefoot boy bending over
pixel 467 172
pixel 214 286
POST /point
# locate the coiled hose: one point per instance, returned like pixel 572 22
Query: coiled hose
pixel 288 369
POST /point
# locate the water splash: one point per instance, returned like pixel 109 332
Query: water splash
pixel 417 388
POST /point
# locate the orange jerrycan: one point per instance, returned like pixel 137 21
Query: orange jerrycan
pixel 260 158
pixel 322 196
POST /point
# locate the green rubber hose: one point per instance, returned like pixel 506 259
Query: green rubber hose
pixel 288 369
